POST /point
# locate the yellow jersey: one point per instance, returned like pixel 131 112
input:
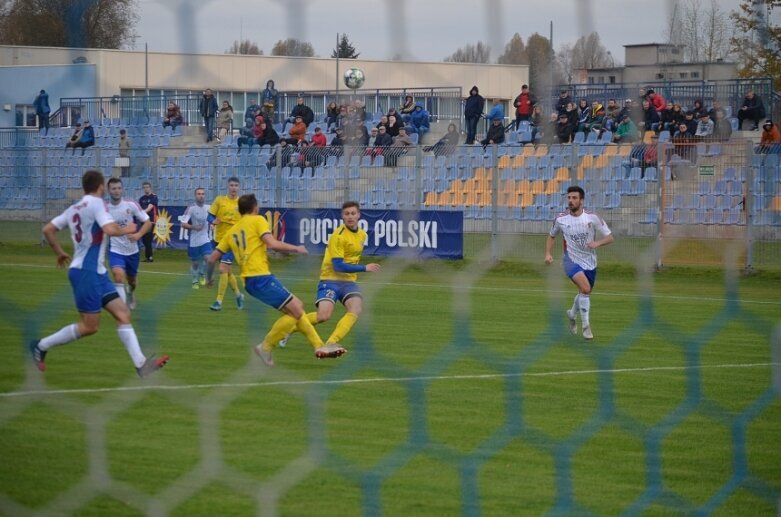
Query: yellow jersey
pixel 345 244
pixel 244 239
pixel 227 211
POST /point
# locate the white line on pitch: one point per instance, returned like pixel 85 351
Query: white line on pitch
pixel 484 288
pixel 376 380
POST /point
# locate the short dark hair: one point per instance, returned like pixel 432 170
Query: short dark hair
pixel 91 181
pixel 234 179
pixel 200 188
pixel 112 181
pixel 144 184
pixel 247 203
pixel 579 190
pixel 350 204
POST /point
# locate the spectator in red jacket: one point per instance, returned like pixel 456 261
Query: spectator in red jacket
pixel 656 100
pixel 524 103
pixel 318 139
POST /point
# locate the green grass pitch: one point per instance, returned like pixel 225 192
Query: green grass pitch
pixel 462 394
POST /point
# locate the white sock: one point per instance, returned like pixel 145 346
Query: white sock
pixel 575 306
pixel 585 307
pixel 61 337
pixel 128 337
pixel 194 272
pixel 122 293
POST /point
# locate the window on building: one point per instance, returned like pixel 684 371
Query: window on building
pixel 611 79
pixel 695 75
pixel 601 79
pixel 25 116
pixel 660 75
pixel 675 51
pixel 683 75
pixel 591 80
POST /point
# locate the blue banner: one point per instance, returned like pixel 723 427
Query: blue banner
pixel 425 234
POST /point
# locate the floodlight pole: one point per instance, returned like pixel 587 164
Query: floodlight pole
pixel 146 68
pixel 337 65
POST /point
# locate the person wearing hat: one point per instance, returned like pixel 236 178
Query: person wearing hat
pixel 562 101
pixel 495 133
pixel 42 110
pixel 564 129
pixel 771 137
pixel 626 131
pixel 704 127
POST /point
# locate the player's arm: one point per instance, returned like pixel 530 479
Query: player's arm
pixel 141 232
pixel 212 218
pixel 340 266
pixel 112 229
pixel 604 241
pixel 549 248
pixel 277 245
pixel 50 234
pixel 214 258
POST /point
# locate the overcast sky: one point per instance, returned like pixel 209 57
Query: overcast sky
pixel 423 30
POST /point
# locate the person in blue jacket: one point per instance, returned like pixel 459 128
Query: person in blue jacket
pixel 43 110
pixel 419 121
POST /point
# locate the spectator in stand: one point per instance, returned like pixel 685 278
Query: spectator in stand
pixel 626 131
pixel 393 113
pixel 268 101
pixel 407 109
pixel 300 110
pixel 667 118
pixel 383 138
pixel 584 113
pixel 336 148
pixel 716 107
pixel 394 125
pixel 284 153
pixel 562 102
pixel 656 100
pixel 298 131
pixel 683 142
pixel 383 121
pixel 208 112
pixel 704 127
pixel 149 204
pixel 565 130
pixel 359 111
pixel 473 110
pixel 319 139
pixel 678 116
pixel 495 133
pixel 342 119
pixel 573 117
pixel 523 104
pixel 268 136
pixel 447 144
pixel 651 121
pixel 611 115
pixel 691 123
pixel 252 110
pixel 770 142
pixel 86 138
pixel 596 118
pixel 173 116
pixel 361 135
pixel 537 120
pixel 752 109
pixel 372 136
pixel 42 110
pixel 247 134
pixel 398 148
pixel 549 135
pixel 722 128
pixel 626 110
pixel 697 109
pixel 331 115
pixel 642 95
pixel 420 121
pixel 497 111
pixel 224 120
pixel 124 151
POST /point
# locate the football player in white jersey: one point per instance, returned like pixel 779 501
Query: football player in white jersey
pixel 195 219
pixel 90 223
pixel 579 228
pixel 123 255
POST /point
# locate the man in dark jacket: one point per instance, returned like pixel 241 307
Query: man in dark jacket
pixel 383 138
pixel 300 110
pixel 42 109
pixel 564 129
pixel 561 103
pixel 252 110
pixel 269 136
pixel 473 109
pixel 495 133
pixel 208 112
pixel 752 109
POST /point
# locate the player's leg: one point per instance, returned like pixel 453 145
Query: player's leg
pixel 325 303
pixel 235 287
pixel 131 272
pixel 195 257
pixel 127 334
pixel 222 286
pixel 583 282
pixel 117 264
pixel 354 306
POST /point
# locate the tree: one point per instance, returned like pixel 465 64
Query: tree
pixel 478 53
pixel 541 59
pixel 345 49
pixel 702 30
pixel 757 41
pixel 293 48
pixel 68 23
pixel 245 47
pixel 587 53
pixel 514 52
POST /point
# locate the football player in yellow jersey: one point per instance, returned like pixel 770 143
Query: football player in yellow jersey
pixel 338 275
pixel 249 240
pixel 223 214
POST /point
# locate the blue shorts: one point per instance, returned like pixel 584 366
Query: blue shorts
pixel 198 252
pixel 333 290
pixel 572 269
pixel 269 290
pixel 227 258
pixel 91 290
pixel 127 262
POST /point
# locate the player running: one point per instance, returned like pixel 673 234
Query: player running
pixel 249 240
pixel 196 220
pixel 339 273
pixel 223 214
pixel 579 227
pixel 124 256
pixel 90 222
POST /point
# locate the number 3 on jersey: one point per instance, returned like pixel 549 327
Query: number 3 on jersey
pixel 77 223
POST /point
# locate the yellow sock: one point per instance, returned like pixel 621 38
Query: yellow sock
pixel 342 328
pixel 305 327
pixel 312 317
pixel 222 287
pixel 233 283
pixel 282 326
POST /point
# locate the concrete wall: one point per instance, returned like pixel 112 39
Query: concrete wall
pixel 20 85
pixel 117 69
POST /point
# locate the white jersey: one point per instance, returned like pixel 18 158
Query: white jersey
pixel 198 217
pixel 86 220
pixel 125 212
pixel 578 231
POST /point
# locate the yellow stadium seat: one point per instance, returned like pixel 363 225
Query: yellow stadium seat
pixel 611 150
pixel 601 162
pixel 504 162
pixel 776 204
pixel 431 199
pixel 648 137
pixel 552 187
pixel 542 150
pixel 562 174
pixel 522 186
pixel 624 149
pixel 537 187
pixel 528 150
pixel 518 161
